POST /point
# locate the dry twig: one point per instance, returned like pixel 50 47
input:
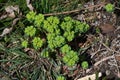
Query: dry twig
pixel 74 11
pixel 102 60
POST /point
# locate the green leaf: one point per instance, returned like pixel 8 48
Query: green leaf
pixel 45 53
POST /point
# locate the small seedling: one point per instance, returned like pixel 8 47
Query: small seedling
pixel 24 44
pixel 109 7
pixel 84 64
pixel 97 30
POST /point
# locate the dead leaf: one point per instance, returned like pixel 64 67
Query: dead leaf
pixel 6 31
pixel 11 15
pixel 29 5
pixel 11 10
pixel 3 16
pixel 14 21
pixel 107 28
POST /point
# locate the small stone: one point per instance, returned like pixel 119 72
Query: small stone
pixel 107 72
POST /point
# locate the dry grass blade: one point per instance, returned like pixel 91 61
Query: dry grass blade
pixel 102 60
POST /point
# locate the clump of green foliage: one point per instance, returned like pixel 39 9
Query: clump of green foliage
pixel 109 7
pixel 57 34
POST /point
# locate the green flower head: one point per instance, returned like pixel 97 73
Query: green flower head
pixel 71 58
pixel 55 41
pixel 31 16
pixel 69 35
pixel 51 24
pixel 67 24
pixel 39 19
pixel 24 44
pixel 59 40
pixel 65 49
pixel 68 18
pixel 30 31
pixel 37 42
pixel 53 20
pixel 81 27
